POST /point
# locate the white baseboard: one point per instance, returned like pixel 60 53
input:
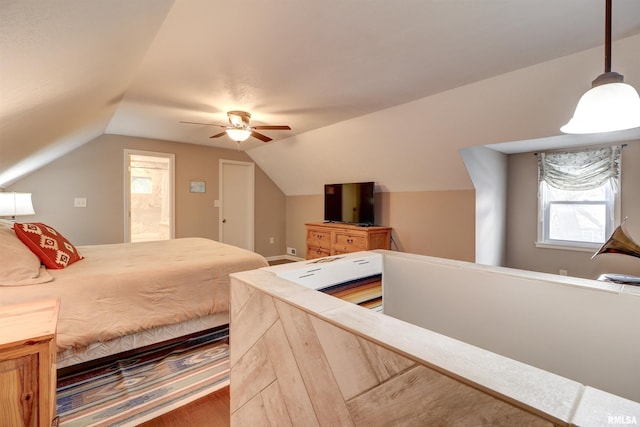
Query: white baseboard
pixel 287 257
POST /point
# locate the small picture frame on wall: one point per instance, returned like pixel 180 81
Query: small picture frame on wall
pixel 196 186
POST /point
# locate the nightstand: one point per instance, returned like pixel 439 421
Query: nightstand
pixel 28 363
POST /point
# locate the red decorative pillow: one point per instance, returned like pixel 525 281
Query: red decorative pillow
pixel 51 247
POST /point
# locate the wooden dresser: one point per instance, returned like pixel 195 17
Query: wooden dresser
pixel 28 363
pixel 324 239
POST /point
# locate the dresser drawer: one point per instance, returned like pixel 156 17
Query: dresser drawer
pixel 326 239
pixel 319 239
pixel 350 243
pixel 315 252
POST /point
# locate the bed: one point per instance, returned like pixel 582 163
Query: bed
pixel 120 297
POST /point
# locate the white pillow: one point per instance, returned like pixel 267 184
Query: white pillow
pixel 18 265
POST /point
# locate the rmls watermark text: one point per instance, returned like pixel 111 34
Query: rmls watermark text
pixel 622 420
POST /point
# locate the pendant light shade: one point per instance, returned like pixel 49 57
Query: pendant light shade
pixel 610 105
pixel 606 107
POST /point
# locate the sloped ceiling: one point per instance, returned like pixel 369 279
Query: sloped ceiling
pixel 71 70
pixel 64 68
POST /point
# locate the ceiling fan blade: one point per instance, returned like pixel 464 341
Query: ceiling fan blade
pixel 272 127
pixel 260 136
pixel 218 135
pixel 206 124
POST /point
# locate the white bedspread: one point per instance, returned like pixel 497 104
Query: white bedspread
pixel 121 289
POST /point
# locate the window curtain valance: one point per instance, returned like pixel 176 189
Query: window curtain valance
pixel 580 170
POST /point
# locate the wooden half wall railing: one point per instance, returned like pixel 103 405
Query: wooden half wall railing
pixel 302 358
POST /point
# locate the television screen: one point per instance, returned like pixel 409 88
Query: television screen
pixel 352 203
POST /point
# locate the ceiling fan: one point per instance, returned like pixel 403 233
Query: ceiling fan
pixel 239 129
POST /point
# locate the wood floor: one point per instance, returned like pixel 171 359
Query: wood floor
pixel 211 410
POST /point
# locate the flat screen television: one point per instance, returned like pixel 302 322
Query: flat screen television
pixel 351 203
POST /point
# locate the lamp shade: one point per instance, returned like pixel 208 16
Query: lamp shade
pixel 238 135
pixel 610 105
pixel 15 204
pixel 606 108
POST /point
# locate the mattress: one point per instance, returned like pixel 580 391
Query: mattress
pixel 73 356
pixel 124 289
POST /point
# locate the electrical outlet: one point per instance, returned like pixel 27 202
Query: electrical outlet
pixel 563 272
pixel 80 202
pixel 291 251
pixel 272 240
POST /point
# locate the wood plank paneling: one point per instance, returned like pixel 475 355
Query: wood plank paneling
pixel 239 293
pixel 293 368
pixel 253 373
pixel 292 386
pixel 421 396
pixel 275 406
pixel 250 322
pixel 251 414
pixel 384 363
pixel 315 370
pixel 349 364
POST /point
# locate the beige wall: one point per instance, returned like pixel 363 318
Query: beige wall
pixel 300 210
pixel 96 171
pixel 522 219
pixel 502 313
pixel 436 223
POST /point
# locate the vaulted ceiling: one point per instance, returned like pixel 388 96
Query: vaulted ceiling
pixel 72 70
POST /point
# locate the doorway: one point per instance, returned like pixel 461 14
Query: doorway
pixel 149 196
pixel 237 203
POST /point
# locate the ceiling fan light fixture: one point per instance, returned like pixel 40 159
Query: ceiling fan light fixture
pixel 240 129
pixel 610 105
pixel 238 135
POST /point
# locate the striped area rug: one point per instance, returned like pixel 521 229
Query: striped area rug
pixel 136 389
pixel 366 292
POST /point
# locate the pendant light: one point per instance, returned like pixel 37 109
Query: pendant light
pixel 610 105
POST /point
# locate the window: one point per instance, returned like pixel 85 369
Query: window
pixel 141 185
pixel 578 198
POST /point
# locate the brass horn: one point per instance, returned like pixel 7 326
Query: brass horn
pixel 619 243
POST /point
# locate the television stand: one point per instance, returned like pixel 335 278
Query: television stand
pixel 325 239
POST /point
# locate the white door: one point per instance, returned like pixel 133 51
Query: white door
pixel 149 187
pixel 236 203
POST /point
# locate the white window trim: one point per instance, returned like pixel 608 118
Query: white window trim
pixel 575 246
pixel 127 189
